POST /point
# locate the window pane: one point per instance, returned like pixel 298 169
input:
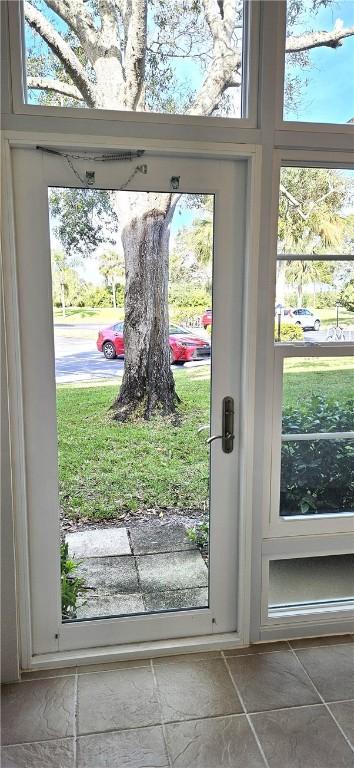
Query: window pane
pixel 133 492
pixel 319 62
pixel 317 477
pixel 177 58
pixel 317 473
pixel 304 580
pixel 318 395
pixel 314 292
pixel 327 290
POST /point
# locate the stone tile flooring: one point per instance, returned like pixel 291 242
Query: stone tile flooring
pixel 280 705
pixel 150 566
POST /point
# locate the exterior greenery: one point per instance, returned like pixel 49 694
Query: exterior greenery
pixel 317 476
pixel 71 586
pixel 288 332
pixel 347 296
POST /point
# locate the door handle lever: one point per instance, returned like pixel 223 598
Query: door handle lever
pixel 227 437
pixel 213 437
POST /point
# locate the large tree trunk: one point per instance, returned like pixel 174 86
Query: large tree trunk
pixel 148 383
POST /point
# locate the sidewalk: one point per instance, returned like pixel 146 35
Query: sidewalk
pixel 150 566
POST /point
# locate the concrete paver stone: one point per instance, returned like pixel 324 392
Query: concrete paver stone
pixel 99 542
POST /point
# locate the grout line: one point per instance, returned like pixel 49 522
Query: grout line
pixel 140 589
pixel 112 669
pixel 180 722
pixel 322 645
pixel 258 653
pixel 76 714
pixel 161 712
pixel 323 701
pixel 140 554
pixel 246 713
pixel 35 741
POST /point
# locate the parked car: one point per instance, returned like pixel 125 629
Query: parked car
pixel 301 316
pixel 306 318
pixel 207 318
pixel 184 346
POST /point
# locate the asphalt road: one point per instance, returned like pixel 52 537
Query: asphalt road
pixel 77 359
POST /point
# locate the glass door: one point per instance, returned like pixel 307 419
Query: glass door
pixel 130 273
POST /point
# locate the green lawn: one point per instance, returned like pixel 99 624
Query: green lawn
pixel 88 315
pixel 107 469
pixel 328 316
pixel 329 377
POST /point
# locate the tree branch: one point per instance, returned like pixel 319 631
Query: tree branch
pixel 47 84
pixel 222 72
pixel 75 15
pixel 62 50
pixel 310 40
pixel 293 201
pixel 135 54
pixel 304 216
pixel 107 57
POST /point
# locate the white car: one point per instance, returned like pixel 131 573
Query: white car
pixel 305 318
pixel 301 316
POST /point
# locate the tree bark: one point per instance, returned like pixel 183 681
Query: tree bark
pixel 148 383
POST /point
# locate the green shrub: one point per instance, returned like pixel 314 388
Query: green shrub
pixel 185 295
pixel 317 476
pixel 288 332
pixel 186 314
pixel 325 300
pixel 292 300
pixel 319 300
pixel 97 297
pixel 71 586
pixel 346 297
pixel 199 534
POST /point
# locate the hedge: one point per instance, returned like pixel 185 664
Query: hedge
pixel 288 332
pixel 317 476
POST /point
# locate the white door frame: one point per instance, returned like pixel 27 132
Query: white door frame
pixel 252 154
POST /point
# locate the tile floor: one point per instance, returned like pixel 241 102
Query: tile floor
pixel 279 705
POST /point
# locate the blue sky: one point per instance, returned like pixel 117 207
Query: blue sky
pixel 329 97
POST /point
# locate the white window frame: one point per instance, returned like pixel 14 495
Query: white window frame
pixel 299 525
pixel 297 615
pixel 268 529
pixel 249 85
pixel 273 525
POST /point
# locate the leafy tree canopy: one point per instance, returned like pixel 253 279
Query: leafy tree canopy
pixel 83 219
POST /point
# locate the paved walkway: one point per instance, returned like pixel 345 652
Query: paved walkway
pixel 147 567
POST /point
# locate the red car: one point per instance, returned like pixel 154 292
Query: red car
pixel 207 318
pixel 184 346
